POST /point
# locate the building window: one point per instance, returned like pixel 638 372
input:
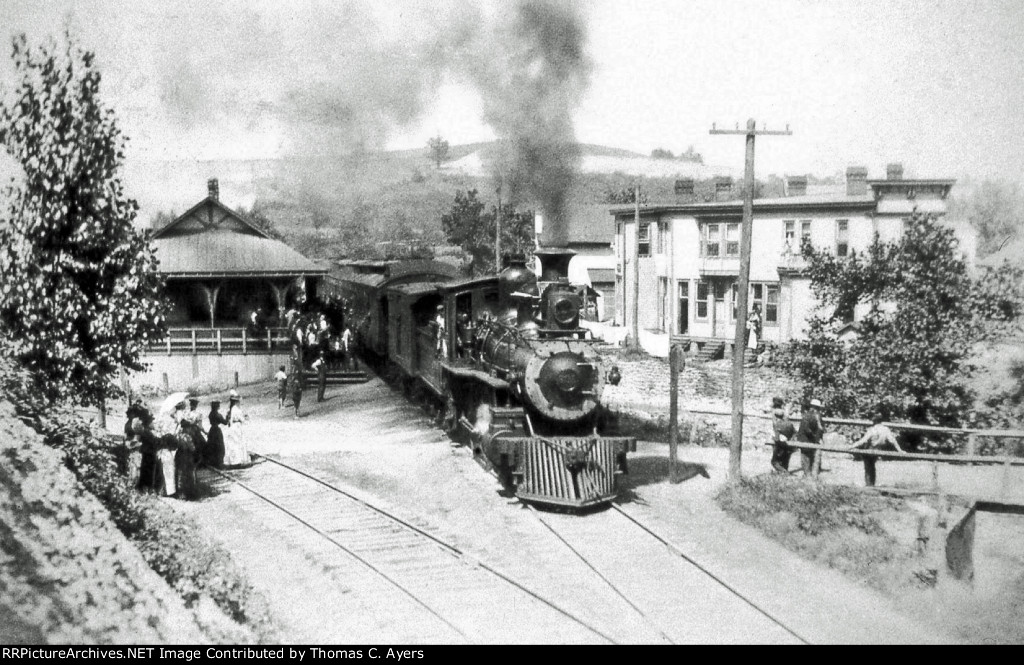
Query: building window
pixel 732 239
pixel 771 305
pixel 702 300
pixel 662 240
pixel 735 300
pixel 684 308
pixel 842 237
pixel 663 304
pixel 644 238
pixel 790 236
pixel 805 231
pixel 711 242
pixel 767 297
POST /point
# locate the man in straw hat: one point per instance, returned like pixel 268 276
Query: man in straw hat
pixel 812 430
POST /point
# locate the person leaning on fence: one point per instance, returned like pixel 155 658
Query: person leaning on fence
pixel 878 437
pixel 782 433
pixel 812 430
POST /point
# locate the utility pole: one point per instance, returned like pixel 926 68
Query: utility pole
pixel 636 269
pixel 497 233
pixel 740 339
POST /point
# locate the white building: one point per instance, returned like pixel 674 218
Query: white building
pixel 689 254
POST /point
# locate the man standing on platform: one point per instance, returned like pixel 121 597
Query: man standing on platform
pixel 320 365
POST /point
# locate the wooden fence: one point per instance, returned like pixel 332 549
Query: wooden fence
pixel 1006 461
pixel 218 341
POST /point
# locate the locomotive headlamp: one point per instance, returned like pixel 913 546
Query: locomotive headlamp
pixel 566 310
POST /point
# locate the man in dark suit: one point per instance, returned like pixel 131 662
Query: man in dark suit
pixel 811 431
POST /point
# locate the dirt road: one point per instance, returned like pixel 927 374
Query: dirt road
pixel 368 438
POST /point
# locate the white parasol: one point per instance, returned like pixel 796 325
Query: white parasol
pixel 173 400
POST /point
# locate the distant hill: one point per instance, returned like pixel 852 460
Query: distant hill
pixel 347 205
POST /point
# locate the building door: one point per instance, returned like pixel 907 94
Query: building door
pixel 684 308
pixel 722 307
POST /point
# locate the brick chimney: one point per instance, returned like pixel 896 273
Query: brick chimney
pixel 723 189
pixel 684 189
pixel 856 181
pixel 214 189
pixel 796 185
pixel 894 171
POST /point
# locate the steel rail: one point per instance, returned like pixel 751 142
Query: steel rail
pixel 597 572
pixel 348 551
pixel 693 562
pixel 446 546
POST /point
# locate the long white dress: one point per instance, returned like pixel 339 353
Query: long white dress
pixel 235 451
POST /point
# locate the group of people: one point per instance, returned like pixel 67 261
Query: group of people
pixel 165 449
pixel 812 430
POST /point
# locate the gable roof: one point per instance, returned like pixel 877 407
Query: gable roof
pixel 207 214
pixel 211 240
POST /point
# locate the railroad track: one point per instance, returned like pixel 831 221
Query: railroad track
pixel 464 598
pixel 684 600
pixel 677 596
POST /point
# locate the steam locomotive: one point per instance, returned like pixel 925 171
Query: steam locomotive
pixel 503 361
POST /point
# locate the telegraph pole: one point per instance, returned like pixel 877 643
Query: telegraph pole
pixel 636 268
pixel 740 339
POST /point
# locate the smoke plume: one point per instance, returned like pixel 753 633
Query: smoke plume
pixel 531 71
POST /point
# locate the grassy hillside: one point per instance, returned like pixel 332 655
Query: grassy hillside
pixel 352 206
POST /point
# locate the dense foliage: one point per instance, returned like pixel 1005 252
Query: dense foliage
pixel 79 289
pixel 471 227
pixel 925 311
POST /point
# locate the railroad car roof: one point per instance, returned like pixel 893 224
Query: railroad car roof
pixel 370 280
pixel 461 285
pixel 415 288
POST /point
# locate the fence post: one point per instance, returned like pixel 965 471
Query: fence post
pixel 193 341
pixel 270 340
pixel 167 383
pixel 244 349
pixel 972 444
pixel 675 361
pixel 218 342
pixel 168 342
pixel 1006 474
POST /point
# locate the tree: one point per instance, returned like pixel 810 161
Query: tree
pixel 926 311
pixel 996 210
pixel 438 150
pixel 661 153
pixel 471 226
pixel 80 295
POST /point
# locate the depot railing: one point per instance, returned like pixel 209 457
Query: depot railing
pixel 220 341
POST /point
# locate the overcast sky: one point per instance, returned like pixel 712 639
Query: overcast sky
pixel 936 84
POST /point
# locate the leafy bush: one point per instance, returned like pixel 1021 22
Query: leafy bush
pixel 818 507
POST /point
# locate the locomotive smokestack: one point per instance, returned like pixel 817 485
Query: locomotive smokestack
pixel 554 263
